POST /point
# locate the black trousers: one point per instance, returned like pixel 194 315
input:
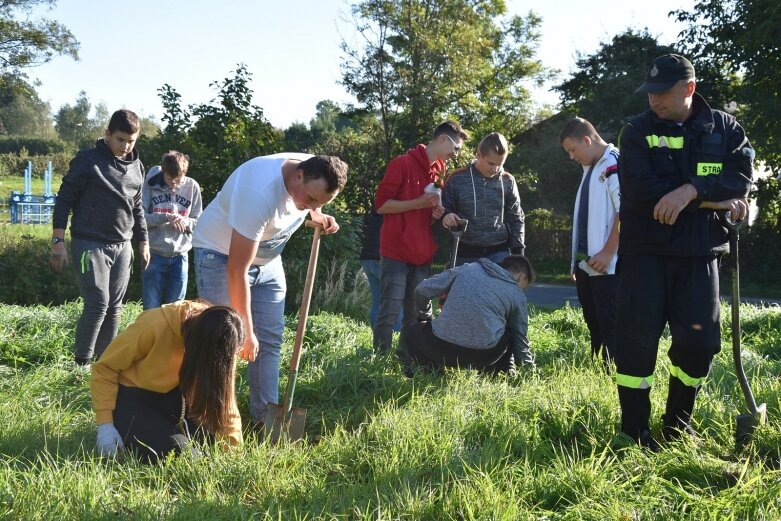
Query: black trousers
pixel 418 343
pixel 597 296
pixel 653 290
pixel 149 422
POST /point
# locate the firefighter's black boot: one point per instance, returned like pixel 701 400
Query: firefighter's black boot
pixel 676 420
pixel 635 413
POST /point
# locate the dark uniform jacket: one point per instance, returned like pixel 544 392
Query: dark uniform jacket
pixel 709 150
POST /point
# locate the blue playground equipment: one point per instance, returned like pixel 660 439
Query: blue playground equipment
pixel 27 208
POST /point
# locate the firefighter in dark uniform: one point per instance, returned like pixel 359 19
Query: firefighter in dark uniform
pixel 682 164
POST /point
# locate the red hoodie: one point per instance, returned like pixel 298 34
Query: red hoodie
pixel 407 236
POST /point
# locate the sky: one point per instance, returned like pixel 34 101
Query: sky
pixel 292 48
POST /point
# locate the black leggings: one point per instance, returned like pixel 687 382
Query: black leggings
pixel 149 423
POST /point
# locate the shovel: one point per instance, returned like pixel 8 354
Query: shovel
pixel 757 415
pixel 286 420
pixel 455 233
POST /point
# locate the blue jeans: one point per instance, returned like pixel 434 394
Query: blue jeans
pixel 371 268
pixel 398 281
pixel 164 280
pixel 267 306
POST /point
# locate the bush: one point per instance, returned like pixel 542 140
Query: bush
pixel 33 146
pixel 26 276
pixel 14 164
pixel 338 281
pixel 24 268
pixel 548 237
pixel 339 285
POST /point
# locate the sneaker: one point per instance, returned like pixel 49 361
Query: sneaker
pixel 673 433
pixel 82 367
pixel 623 440
pixel 648 442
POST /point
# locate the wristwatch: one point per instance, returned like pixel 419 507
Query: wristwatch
pixel 57 240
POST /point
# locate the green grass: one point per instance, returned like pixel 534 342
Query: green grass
pixel 380 446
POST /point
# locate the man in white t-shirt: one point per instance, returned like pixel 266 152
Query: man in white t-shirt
pixel 238 241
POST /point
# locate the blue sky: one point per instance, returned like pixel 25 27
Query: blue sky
pixel 130 49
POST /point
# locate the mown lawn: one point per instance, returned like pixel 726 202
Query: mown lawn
pixel 381 446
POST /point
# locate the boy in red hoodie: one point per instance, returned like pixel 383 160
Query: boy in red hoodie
pixel 406 241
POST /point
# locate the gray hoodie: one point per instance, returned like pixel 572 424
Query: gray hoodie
pixel 482 301
pixel 159 201
pixel 491 204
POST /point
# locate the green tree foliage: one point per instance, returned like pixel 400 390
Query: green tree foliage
pixel 420 61
pixel 22 113
pixel 25 42
pixel 218 136
pixel 73 121
pixel 356 136
pixel 602 88
pixel 362 150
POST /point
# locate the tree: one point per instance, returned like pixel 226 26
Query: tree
pixel 421 61
pixel 602 88
pixel 25 42
pixel 73 122
pixel 22 112
pixel 742 37
pixel 219 135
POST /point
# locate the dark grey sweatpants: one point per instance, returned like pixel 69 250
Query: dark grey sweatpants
pixel 102 272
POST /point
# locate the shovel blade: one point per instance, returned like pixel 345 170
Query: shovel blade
pixel 745 424
pixel 279 425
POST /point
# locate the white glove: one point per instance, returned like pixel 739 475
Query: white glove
pixel 109 441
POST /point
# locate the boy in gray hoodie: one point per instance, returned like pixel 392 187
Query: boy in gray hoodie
pixel 172 205
pixel 483 324
pixel 487 196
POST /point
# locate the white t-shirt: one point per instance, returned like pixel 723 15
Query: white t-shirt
pixel 254 202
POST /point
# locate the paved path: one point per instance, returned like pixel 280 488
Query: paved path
pixel 556 296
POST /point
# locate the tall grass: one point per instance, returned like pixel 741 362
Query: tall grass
pixel 380 446
pixel 456 445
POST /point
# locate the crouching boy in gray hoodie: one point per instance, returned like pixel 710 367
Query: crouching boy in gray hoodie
pixel 483 324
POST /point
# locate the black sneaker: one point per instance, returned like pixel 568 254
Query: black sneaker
pixel 624 441
pixel 648 442
pixel 673 433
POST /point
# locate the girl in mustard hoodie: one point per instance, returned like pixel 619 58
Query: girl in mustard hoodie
pixel 169 378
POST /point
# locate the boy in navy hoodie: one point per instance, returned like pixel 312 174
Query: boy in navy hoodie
pixel 102 190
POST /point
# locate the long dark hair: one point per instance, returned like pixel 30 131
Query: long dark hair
pixel 206 378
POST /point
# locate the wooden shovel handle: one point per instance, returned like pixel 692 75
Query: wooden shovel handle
pixel 306 298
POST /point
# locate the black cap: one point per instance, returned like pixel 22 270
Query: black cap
pixel 665 72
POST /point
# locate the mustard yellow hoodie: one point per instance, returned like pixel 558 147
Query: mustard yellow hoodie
pixel 148 355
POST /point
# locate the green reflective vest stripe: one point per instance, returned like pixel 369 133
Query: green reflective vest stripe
pixel 685 378
pixel 634 382
pixel 709 168
pixel 672 142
